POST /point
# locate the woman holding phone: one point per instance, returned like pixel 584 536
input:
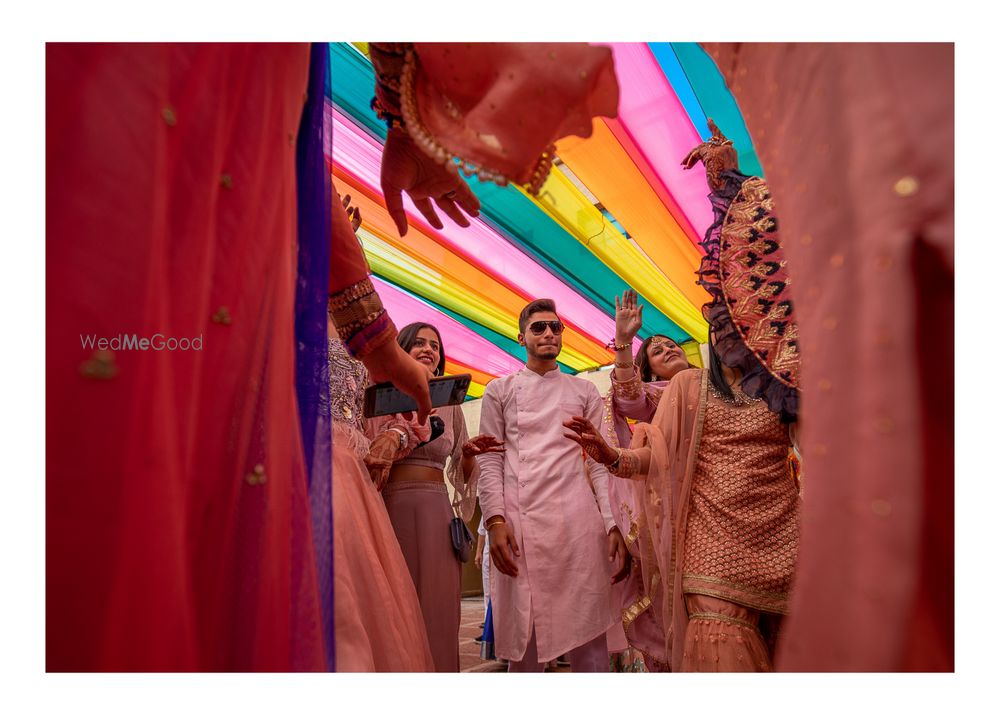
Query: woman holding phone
pixel 412 477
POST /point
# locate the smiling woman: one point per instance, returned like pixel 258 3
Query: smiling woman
pixel 635 394
pixel 411 469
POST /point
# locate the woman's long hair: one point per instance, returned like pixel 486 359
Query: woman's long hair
pixel 715 373
pixel 408 336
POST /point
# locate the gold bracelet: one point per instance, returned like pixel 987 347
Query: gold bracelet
pixel 495 516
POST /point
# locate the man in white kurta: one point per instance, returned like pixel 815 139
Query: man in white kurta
pixel 546 524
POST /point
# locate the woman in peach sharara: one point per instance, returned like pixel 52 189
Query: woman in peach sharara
pixel 720 503
pixel 726 532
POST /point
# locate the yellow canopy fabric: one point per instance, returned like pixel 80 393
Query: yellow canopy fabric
pixel 567 205
pixel 606 169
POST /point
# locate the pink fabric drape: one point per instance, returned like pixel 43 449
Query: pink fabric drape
pixel 640 594
pixel 857 142
pixel 379 624
pixel 672 438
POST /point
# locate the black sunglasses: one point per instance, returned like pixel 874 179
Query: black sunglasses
pixel 539 326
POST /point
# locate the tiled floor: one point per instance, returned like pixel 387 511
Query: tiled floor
pixel 468 649
pixel 469 661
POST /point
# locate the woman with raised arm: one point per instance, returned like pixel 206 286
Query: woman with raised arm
pixel 722 515
pixel 635 392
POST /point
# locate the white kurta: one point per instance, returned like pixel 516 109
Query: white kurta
pixel 540 486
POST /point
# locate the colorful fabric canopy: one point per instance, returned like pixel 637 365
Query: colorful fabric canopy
pixel 617 212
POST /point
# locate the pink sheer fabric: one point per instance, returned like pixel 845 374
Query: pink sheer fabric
pixel 500 106
pixel 177 529
pixel 377 617
pixel 640 608
pixel 861 164
pixel 378 621
pixel 672 438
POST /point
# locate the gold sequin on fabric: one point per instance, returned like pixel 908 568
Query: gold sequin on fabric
pixel 169 116
pixel 222 316
pixel 743 523
pixel 630 389
pixel 100 366
pixel 906 186
pixel 257 477
pixel 355 308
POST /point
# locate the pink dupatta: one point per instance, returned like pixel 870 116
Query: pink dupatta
pixel 673 438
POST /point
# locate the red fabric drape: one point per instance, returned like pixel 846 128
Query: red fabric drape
pixel 171 210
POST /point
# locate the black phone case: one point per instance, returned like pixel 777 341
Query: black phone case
pixel 455 397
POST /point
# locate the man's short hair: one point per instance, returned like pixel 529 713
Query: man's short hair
pixel 542 305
